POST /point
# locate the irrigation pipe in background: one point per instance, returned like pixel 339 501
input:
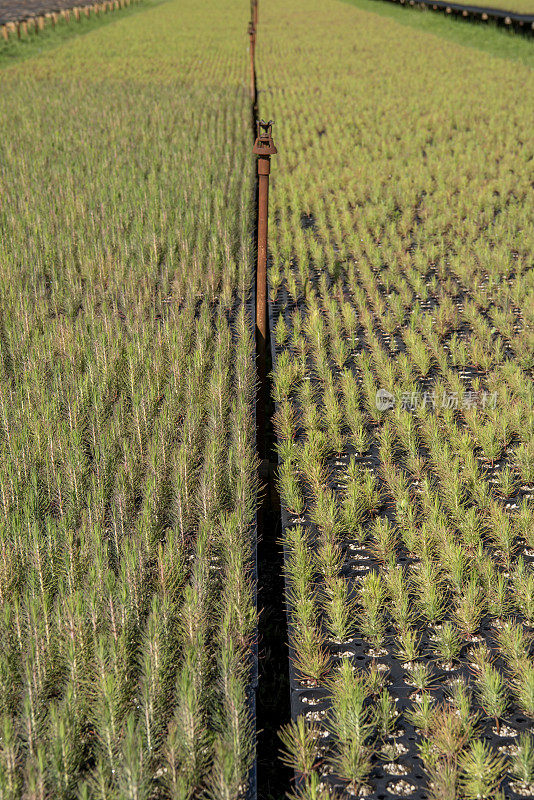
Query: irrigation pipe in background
pixel 521 22
pixel 252 52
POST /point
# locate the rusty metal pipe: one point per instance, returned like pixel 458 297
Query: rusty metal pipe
pixel 264 148
pixel 252 51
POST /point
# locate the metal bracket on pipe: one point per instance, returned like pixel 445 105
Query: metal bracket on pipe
pixel 264 145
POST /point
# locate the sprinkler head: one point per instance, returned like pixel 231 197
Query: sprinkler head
pixel 264 145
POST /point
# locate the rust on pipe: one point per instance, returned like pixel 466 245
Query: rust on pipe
pixel 252 51
pixel 264 148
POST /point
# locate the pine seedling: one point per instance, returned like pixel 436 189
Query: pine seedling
pixel 447 643
pixel 481 771
pixel 311 463
pixel 371 617
pixel 281 331
pixel 187 740
pixel 523 688
pixel 340 352
pixel 353 510
pixel 350 320
pixel 301 598
pixel 449 732
pixel 440 753
pixel 455 562
pixel 352 762
pixel 284 376
pixel 333 417
pixel 524 522
pixel 64 750
pixel 233 749
pixel 469 608
pixel 491 691
pixel 289 487
pixel 524 592
pixel 312 788
pixel 339 610
pixel 422 713
pixel 375 679
pixel 507 482
pixel 384 541
pixel 324 514
pixel 400 608
pixel 311 659
pixel 386 448
pixel 497 594
pixel 299 740
pixel 35 777
pixel 522 763
pixel 284 421
pixel 502 535
pixel 442 774
pixel 514 644
pixel 428 585
pixel 488 440
pixel 420 676
pixel 132 778
pixel 9 759
pixel 311 419
pixel 385 714
pixel 371 495
pixel 99 784
pixel 418 352
pixel 524 458
pixel 329 561
pixel 407 646
pixel 460 693
pixel 352 725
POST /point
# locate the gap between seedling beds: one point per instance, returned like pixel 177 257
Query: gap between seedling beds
pixel 272 708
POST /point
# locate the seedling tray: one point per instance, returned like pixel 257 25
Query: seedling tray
pixel 385 780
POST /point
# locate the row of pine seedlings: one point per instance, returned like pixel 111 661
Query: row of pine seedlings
pixel 127 439
pixel 409 530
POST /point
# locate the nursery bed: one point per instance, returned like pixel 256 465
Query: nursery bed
pixel 313 702
pixel 400 267
pixel 127 464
